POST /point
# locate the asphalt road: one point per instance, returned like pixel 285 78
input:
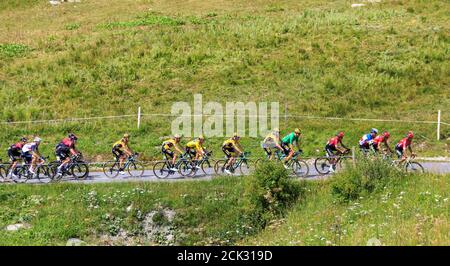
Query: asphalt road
pixel 99 177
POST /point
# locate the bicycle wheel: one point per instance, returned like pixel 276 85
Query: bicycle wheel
pixel 80 170
pixel 185 168
pixel 53 168
pixel 414 167
pixel 111 169
pixel 244 168
pixel 43 174
pixel 322 165
pixel 21 173
pixel 219 166
pixel 3 172
pixel 300 168
pixel 205 166
pixel 161 170
pixel 135 169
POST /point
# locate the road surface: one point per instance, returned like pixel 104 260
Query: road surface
pixel 99 177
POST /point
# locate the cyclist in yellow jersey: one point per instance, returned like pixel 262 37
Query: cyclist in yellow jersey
pixel 194 148
pixel 272 140
pixel 232 148
pixel 170 149
pixel 121 151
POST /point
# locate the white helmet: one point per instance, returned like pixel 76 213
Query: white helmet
pixel 37 139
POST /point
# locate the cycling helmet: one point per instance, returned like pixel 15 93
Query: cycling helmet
pixel 297 131
pixel 386 134
pixel 37 139
pixel 340 134
pixel 201 137
pixel 177 136
pixel 236 135
pixel 276 130
pixel 72 136
pixel 374 130
pixel 410 135
pixel 23 139
pixel 125 136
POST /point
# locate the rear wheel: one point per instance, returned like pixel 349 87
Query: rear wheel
pixel 186 168
pixel 414 167
pixel 21 173
pixel 161 170
pixel 43 174
pixel 135 169
pixel 3 172
pixel 322 165
pixel 219 166
pixel 204 166
pixel 111 169
pixel 300 168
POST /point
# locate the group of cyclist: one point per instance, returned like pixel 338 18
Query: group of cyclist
pixel 195 149
pixel 28 151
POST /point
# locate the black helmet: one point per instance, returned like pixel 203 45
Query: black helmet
pixel 72 136
pixel 23 139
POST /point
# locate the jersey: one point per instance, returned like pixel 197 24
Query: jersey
pixel 29 147
pixel 333 142
pixel 290 139
pixel 169 144
pixel 378 139
pixel 68 143
pixel 16 147
pixel 404 143
pixel 365 139
pixel 120 145
pixel 272 138
pixel 230 143
pixel 194 144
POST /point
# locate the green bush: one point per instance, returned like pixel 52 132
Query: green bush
pixel 367 176
pixel 12 50
pixel 271 190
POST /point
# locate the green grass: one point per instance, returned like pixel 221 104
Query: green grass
pixel 399 211
pixel 386 60
pixel 216 212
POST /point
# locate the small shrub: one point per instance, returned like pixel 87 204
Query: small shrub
pixel 369 175
pixel 13 50
pixel 72 26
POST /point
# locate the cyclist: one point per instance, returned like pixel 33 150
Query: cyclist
pixel 64 150
pixel 14 154
pixel 364 142
pixel 287 144
pixel 381 139
pixel 335 147
pixel 272 140
pixel 404 144
pixel 232 148
pixel 31 155
pixel 170 149
pixel 195 149
pixel 121 151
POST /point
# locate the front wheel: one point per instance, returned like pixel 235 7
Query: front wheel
pixel 3 172
pixel 244 168
pixel 186 168
pixel 43 174
pixel 135 169
pixel 414 167
pixel 300 168
pixel 161 170
pixel 80 170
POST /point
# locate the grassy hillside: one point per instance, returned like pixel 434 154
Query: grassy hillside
pixel 323 58
pixel 408 210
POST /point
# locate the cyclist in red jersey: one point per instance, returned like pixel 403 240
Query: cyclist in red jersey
pixel 333 148
pixel 64 150
pixel 375 144
pixel 404 144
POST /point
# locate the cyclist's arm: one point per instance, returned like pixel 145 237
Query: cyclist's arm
pixel 238 148
pixel 343 146
pixel 386 143
pixel 178 149
pixel 410 150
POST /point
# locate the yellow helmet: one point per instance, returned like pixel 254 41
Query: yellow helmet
pixel 125 136
pixel 297 131
pixel 177 136
pixel 276 130
pixel 201 137
pixel 236 135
